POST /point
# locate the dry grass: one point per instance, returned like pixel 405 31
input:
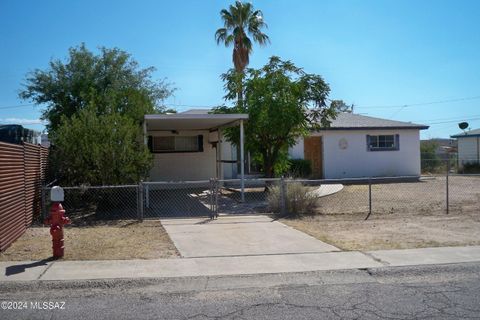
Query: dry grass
pixel 115 240
pixel 391 231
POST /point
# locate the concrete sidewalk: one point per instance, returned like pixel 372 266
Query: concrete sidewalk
pixel 253 264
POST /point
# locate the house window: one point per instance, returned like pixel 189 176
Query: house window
pixel 171 144
pixel 383 142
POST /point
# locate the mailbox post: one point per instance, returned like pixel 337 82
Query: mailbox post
pixel 56 220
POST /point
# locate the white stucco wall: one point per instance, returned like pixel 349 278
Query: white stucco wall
pixel 468 149
pixel 356 161
pixel 184 166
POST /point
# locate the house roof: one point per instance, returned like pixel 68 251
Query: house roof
pixel 191 121
pixel 467 134
pixel 197 111
pixel 343 121
pixel 351 121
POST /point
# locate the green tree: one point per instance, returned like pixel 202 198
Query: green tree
pixel 95 104
pixel 111 81
pixel 430 161
pixel 283 103
pixel 96 149
pixel 341 106
pixel 241 21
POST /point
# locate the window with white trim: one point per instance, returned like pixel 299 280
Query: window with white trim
pixel 388 142
pixel 172 144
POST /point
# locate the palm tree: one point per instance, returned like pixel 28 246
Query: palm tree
pixel 241 21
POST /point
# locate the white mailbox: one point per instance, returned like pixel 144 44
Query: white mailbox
pixel 56 194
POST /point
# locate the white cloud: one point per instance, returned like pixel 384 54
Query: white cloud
pixel 21 121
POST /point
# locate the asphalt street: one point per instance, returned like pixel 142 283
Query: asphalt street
pixel 427 292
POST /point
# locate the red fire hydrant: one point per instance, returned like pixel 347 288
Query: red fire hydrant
pixel 57 220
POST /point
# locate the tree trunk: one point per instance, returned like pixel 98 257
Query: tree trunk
pixel 268 166
pixel 240 91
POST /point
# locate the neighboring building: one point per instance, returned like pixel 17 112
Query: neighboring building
pixel 468 147
pixel 44 141
pixel 15 133
pixel 446 148
pixel 356 146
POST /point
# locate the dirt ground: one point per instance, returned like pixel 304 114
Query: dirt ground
pixel 109 241
pixel 392 231
pixel 425 196
pixel 404 215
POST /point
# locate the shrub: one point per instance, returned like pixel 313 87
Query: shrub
pixel 300 168
pixel 300 200
pixel 471 167
pixel 430 161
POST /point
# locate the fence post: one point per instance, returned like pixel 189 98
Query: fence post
pixel 212 200
pixel 448 191
pixel 140 200
pixel 283 197
pixel 147 196
pixel 369 198
pixel 217 192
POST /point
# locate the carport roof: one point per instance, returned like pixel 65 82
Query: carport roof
pixel 188 121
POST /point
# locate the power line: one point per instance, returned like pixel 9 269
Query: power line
pixel 460 118
pixel 452 121
pixel 420 104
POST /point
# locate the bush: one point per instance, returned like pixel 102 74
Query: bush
pixel 471 167
pixel 430 161
pixel 91 149
pixel 300 200
pixel 300 168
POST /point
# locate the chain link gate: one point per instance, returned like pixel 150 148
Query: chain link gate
pixel 214 190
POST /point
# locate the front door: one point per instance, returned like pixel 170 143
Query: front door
pixel 312 151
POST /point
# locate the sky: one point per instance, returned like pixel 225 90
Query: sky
pixel 414 61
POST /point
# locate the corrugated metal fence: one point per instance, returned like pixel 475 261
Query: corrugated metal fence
pixel 22 172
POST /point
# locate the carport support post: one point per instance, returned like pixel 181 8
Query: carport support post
pixel 242 162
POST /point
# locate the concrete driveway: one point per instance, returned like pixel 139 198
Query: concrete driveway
pixel 239 236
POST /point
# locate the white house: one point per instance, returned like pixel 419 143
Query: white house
pixel 190 146
pixel 356 146
pixel 468 147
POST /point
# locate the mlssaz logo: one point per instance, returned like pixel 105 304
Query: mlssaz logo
pixel 47 305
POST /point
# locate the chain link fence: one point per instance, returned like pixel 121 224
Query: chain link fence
pixel 439 193
pixel 100 203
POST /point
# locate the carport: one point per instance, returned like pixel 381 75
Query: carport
pixel 187 146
